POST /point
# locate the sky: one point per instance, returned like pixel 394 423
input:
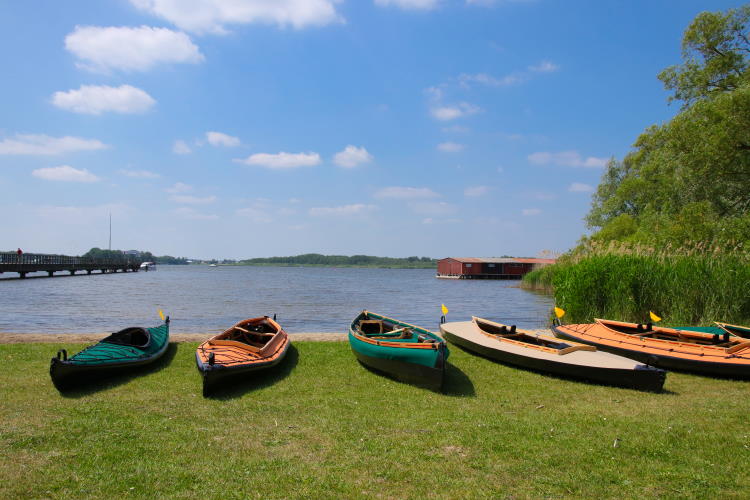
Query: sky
pixel 252 128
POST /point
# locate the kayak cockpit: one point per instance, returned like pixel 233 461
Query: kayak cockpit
pixel 526 338
pixel 134 337
pixel 648 331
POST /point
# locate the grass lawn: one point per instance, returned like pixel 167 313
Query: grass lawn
pixel 322 426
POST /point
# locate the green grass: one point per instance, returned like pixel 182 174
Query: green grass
pixel 322 426
pixel 693 288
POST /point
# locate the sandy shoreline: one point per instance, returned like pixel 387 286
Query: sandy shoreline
pixel 63 338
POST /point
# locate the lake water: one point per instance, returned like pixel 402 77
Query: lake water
pixel 209 299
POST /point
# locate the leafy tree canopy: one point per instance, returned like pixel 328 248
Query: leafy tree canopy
pixel 715 50
pixel 688 180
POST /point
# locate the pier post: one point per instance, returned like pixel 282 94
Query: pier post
pixel 49 273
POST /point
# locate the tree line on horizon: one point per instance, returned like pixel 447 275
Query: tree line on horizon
pixel 687 181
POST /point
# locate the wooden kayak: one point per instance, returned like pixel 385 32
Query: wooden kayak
pixel 545 353
pixel 668 348
pixel 123 350
pixel 401 350
pixel 250 345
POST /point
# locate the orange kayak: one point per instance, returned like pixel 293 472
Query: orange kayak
pixel 250 345
pixel 667 348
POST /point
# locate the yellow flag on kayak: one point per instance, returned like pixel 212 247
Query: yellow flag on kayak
pixel 161 314
pixel 654 317
pixel 444 309
pixel 559 312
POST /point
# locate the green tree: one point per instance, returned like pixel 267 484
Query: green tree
pixel 715 49
pixel 688 180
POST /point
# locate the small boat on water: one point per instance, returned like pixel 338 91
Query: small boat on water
pixel 401 350
pixel 123 350
pixel 148 266
pixel 250 345
pixel 668 348
pixel 545 353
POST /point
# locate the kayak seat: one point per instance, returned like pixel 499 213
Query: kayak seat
pixel 133 336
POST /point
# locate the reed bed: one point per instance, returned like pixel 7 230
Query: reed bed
pixel 685 286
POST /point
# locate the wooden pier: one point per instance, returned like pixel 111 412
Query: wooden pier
pixel 12 262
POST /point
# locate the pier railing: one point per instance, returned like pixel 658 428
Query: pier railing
pixel 12 262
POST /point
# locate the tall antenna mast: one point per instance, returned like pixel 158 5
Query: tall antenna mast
pixel 110 230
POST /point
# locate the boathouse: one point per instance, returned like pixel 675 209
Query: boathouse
pixel 488 268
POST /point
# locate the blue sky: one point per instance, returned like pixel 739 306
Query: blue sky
pixel 249 128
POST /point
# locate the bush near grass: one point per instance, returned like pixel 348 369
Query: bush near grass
pixel 694 286
pixel 322 426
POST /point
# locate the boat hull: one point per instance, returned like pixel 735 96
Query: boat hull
pixel 405 371
pixel 217 376
pixel 250 346
pixel 665 360
pixel 639 377
pixel 68 373
pixel 424 367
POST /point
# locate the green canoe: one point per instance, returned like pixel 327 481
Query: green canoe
pixel 403 351
pixel 120 351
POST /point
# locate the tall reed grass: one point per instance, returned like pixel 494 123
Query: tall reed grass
pixel 685 286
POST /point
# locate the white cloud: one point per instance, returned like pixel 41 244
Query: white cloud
pixel 180 147
pixel 432 208
pixel 282 160
pixel 450 147
pixel 97 99
pixel 476 191
pixel 40 144
pixel 409 4
pixel 219 139
pixel 255 214
pixel 65 173
pixel 212 16
pixel 179 187
pixel 82 214
pixel 485 79
pixel 405 193
pixel 566 159
pixel 579 187
pixel 129 49
pixel 140 174
pixel 452 112
pixel 456 129
pixel 192 200
pixel 530 211
pixel 344 210
pixel 544 67
pixel 352 156
pixel 192 214
pixel 515 78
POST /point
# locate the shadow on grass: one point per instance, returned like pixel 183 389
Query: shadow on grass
pixel 558 376
pixel 239 385
pixel 455 381
pixel 91 383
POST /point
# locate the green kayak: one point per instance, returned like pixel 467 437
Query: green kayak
pixel 134 346
pixel 403 351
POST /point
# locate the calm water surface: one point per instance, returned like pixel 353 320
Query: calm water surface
pixel 209 299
